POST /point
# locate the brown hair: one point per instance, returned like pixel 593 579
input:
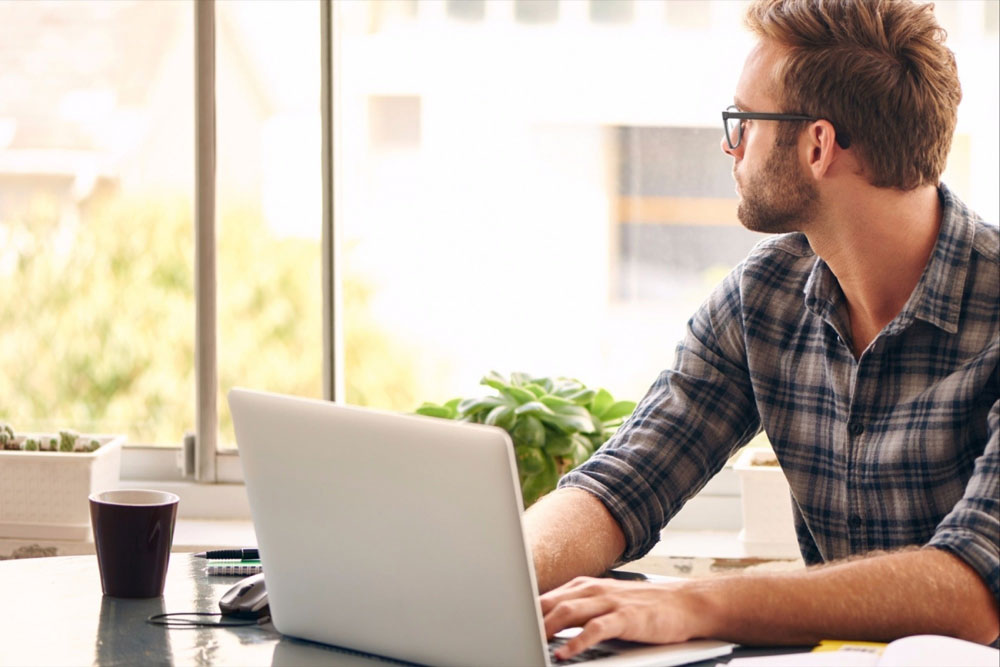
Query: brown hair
pixel 878 70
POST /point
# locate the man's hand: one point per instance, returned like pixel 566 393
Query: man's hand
pixel 656 613
pixel 877 598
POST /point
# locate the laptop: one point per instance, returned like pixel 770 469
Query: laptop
pixel 400 536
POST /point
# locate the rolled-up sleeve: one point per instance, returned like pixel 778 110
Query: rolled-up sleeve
pixel 683 431
pixel 971 531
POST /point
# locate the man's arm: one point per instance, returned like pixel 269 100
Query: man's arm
pixel 571 533
pixel 878 598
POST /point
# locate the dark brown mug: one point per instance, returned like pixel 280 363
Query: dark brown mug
pixel 133 532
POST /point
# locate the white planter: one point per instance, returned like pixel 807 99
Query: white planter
pixel 43 495
pixel 768 529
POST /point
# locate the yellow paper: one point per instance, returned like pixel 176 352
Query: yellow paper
pixel 841 645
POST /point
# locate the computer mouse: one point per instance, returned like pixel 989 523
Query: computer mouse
pixel 247 599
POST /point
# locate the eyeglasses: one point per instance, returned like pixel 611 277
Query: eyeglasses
pixel 732 123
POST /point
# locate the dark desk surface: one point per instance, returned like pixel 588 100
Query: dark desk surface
pixel 53 613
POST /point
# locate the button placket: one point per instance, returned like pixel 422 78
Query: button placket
pixel 856 428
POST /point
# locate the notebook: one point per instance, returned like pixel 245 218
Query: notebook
pixel 913 651
pixel 233 568
pixel 399 536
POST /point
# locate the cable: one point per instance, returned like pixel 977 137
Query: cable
pixel 168 620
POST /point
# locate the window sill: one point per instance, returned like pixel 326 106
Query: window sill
pixel 189 535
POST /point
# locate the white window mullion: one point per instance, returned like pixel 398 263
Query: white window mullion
pixel 333 387
pixel 205 360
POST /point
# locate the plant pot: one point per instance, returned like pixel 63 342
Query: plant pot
pixel 768 528
pixel 44 495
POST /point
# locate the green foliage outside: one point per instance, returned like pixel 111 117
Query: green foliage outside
pixel 98 321
pixel 555 423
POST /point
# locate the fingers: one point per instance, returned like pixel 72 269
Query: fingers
pixel 585 602
pixel 576 612
pixel 576 588
pixel 637 611
pixel 596 630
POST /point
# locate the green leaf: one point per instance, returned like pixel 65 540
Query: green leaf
pixel 453 405
pixel 619 409
pixel 575 417
pixel 545 383
pixel 535 408
pixel 537 485
pixel 471 406
pixel 536 389
pixel 529 431
pixel 495 380
pixel 501 415
pixel 581 449
pixel 554 401
pixel 517 394
pixel 432 410
pixel 602 401
pixel 566 387
pixel 582 397
pixel 530 460
pixel 558 445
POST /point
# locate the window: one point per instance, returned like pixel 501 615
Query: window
pixel 96 235
pixel 531 229
pixel 567 206
pixel 675 216
pixel 97 228
pixel 269 200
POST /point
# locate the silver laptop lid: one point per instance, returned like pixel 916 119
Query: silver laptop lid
pixel 390 534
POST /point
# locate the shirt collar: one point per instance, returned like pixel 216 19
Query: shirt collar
pixel 937 298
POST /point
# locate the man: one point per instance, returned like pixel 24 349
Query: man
pixel 863 340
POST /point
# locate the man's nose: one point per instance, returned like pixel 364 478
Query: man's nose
pixel 731 152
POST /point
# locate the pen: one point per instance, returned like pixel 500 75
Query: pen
pixel 230 554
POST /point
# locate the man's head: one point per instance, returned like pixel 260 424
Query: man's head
pixel 877 70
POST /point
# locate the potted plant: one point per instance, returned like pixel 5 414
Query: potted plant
pixel 555 423
pixel 768 528
pixel 46 478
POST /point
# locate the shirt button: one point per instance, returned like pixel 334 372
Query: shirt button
pixel 855 428
pixel 854 521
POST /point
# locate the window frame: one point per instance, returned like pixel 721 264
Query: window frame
pixel 199 460
pixel 202 474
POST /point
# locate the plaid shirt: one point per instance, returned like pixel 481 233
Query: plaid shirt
pixel 899 447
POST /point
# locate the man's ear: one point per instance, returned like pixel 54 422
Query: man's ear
pixel 820 147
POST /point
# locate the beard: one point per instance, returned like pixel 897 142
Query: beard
pixel 778 198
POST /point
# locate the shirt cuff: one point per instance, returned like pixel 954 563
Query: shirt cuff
pixel 976 550
pixel 639 539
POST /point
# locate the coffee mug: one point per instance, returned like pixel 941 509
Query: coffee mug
pixel 133 532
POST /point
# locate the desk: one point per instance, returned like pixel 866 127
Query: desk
pixel 54 614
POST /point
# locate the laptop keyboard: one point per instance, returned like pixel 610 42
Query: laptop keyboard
pixel 593 653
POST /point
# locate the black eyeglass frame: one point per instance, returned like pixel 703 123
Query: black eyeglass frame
pixel 843 140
